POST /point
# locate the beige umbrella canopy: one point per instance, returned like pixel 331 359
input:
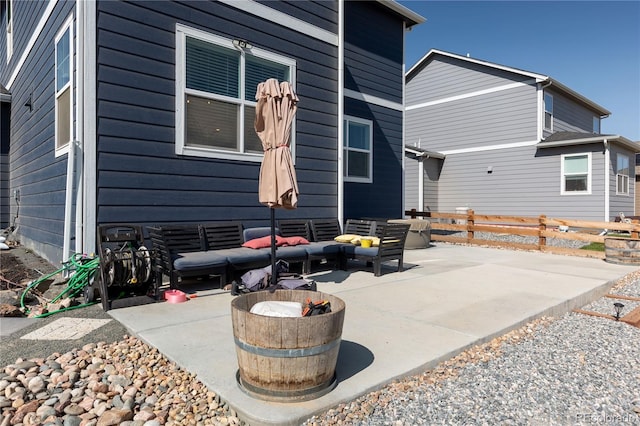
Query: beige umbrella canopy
pixel 276 108
pixel 278 186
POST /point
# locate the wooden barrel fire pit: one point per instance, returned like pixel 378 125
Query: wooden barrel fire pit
pixel 286 359
pixel 623 251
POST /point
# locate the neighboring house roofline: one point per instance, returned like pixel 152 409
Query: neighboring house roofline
pixel 540 78
pixel 572 138
pixel 5 95
pixel 419 152
pixel 411 17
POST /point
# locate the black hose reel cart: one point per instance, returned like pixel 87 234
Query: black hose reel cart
pixel 128 275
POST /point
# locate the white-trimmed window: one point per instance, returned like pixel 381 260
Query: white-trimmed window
pixel 358 150
pixel 596 124
pixel 622 174
pixel 8 18
pixel 64 87
pixel 548 111
pixel 576 173
pixel 216 82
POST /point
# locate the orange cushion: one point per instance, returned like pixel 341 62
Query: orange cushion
pixel 294 241
pixel 263 242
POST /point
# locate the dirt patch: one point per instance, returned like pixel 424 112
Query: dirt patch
pixel 18 266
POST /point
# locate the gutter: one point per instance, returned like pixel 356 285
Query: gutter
pixel 607 179
pixel 632 146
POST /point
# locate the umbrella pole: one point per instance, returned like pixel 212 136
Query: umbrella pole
pixel 274 272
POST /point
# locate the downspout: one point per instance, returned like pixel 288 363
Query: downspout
pixel 403 183
pixel 340 110
pixel 80 34
pixel 421 183
pixel 68 202
pixel 607 179
pixel 89 127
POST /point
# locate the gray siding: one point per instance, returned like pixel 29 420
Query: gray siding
pixel 495 118
pixel 140 178
pixel 443 77
pixel 525 182
pixel 411 178
pixel 570 116
pixel 432 170
pixel 34 170
pixel 621 202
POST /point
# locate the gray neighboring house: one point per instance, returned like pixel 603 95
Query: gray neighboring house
pixel 141 112
pixel 500 140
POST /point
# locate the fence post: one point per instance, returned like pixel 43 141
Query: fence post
pixel 470 223
pixel 542 226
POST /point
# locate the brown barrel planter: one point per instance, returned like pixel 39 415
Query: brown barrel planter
pixel 286 359
pixel 623 251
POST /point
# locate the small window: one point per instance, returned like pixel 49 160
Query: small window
pixel 596 124
pixel 576 174
pixel 548 111
pixel 216 88
pixel 622 174
pixel 358 150
pixel 64 87
pixel 8 14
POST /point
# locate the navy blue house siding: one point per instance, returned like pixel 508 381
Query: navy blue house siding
pixel 34 169
pixel 374 66
pixel 140 177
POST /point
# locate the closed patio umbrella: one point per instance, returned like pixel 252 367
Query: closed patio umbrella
pixel 278 186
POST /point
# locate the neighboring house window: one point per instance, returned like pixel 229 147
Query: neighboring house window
pixel 596 124
pixel 64 87
pixel 358 150
pixel 622 174
pixel 216 89
pixel 576 173
pixel 548 111
pixel 8 14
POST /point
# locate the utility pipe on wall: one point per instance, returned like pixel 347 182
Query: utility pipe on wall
pixel 607 180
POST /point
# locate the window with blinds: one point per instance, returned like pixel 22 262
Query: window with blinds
pixel 215 96
pixel 576 173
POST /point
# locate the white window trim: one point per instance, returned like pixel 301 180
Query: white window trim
pixel 182 31
pixel 544 111
pixel 369 123
pixel 620 174
pixel 9 29
pixel 64 149
pixel 562 175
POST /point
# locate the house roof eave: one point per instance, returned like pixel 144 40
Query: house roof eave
pixel 577 96
pixel 411 18
pixel 621 140
pixel 419 152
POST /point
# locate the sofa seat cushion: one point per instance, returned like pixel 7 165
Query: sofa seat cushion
pixel 243 255
pixel 360 251
pixel 198 260
pixel 324 248
pixel 291 252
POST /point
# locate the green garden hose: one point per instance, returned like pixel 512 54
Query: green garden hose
pixel 83 269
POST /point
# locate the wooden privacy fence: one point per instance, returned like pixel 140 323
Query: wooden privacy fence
pixel 447 227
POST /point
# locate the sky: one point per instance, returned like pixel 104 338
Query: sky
pixel 592 47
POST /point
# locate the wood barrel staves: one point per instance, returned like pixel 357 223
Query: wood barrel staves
pixel 286 359
pixel 625 251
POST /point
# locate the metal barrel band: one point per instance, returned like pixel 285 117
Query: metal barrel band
pixel 287 395
pixel 286 353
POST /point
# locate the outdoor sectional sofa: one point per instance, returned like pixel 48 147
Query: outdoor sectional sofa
pixel 195 250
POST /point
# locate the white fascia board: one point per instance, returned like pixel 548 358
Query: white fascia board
pixel 422 153
pixel 288 21
pixel 490 147
pixel 432 52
